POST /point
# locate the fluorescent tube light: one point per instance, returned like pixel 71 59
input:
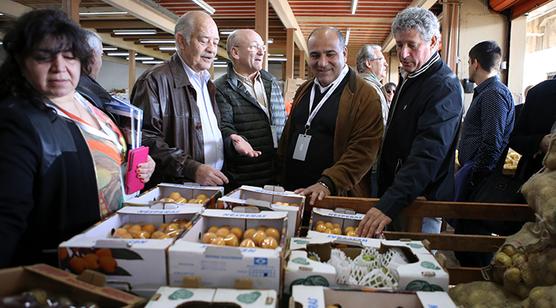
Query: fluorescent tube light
pixel 277 59
pixel 270 41
pixel 102 13
pixel 167 48
pixel 109 48
pixel 141 58
pixel 118 54
pixel 205 6
pixel 226 32
pixel 157 41
pixel 347 36
pixel 276 55
pixel 221 65
pixel 153 62
pixel 135 32
pixel 353 6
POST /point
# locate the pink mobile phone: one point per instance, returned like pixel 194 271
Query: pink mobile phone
pixel 135 157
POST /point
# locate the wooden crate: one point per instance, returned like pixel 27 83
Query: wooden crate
pixel 445 241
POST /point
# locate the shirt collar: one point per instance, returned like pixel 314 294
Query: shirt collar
pixel 435 57
pixel 203 76
pixel 343 74
pixel 247 79
pixel 486 84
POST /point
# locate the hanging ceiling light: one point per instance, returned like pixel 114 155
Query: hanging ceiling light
pixel 134 31
pixel 353 6
pixel 205 6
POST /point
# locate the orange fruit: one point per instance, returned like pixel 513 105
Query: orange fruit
pixel 351 233
pixel 247 243
pixel 144 234
pixel 103 252
pixel 107 264
pixel 77 265
pixel 201 197
pixel 185 225
pixel 213 229
pixel 181 200
pixel 222 232
pixel 149 228
pixel 134 228
pixel 218 241
pixel 269 243
pixel 248 234
pixel 237 231
pixel 126 226
pixel 348 229
pixel 158 235
pixel 320 222
pixel 231 240
pixel 162 227
pixel 321 228
pixel 173 226
pixel 208 237
pixel 62 254
pixel 91 261
pixel 175 196
pixel 121 233
pixel 261 228
pixel 336 230
pixel 259 237
pixel 273 232
pixel 329 225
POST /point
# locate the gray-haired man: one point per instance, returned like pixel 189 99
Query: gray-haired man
pixel 418 151
pixel 371 66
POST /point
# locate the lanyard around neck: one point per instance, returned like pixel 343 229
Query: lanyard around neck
pixel 313 112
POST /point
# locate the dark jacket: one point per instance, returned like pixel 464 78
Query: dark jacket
pixel 242 115
pixel 357 137
pixel 535 121
pixel 418 153
pixel 95 93
pixel 48 189
pixel 171 122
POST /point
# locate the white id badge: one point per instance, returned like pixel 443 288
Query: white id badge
pixel 301 147
pixel 274 136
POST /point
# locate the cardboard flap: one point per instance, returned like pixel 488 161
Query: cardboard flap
pixel 159 209
pixel 342 210
pixel 274 188
pixel 348 241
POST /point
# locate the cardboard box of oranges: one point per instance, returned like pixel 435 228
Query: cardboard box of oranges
pixel 188 194
pixel 338 221
pixel 419 272
pixel 230 249
pixel 129 247
pixel 272 198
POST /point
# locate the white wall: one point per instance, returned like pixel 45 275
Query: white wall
pixel 114 73
pixel 479 24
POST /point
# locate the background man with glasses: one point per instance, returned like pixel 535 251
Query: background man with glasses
pixel 371 65
pixel 252 110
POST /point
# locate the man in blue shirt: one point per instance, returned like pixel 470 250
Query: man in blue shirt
pixel 490 119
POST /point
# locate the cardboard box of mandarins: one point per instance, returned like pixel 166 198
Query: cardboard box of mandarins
pixel 339 261
pixel 199 298
pixel 230 249
pixel 190 194
pixel 321 297
pixel 338 221
pixel 272 198
pixel 129 247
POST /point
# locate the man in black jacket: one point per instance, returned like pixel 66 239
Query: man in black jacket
pixel 417 155
pixel 252 112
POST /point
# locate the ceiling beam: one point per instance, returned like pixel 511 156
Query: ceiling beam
pixel 120 43
pixel 152 16
pixel 389 42
pixel 110 24
pixel 13 9
pixel 285 13
pixel 344 20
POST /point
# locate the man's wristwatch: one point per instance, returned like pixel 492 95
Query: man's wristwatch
pixel 325 186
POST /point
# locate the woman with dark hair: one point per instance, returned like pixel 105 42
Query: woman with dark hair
pixel 62 158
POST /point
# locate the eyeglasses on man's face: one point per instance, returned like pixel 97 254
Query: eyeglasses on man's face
pixel 389 91
pixel 256 47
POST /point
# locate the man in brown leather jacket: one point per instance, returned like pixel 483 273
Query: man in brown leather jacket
pixel 181 118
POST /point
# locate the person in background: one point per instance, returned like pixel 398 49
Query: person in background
pixel 88 85
pixel 62 159
pixel 181 118
pixel 418 153
pixel 530 137
pixel 489 121
pixel 372 66
pixel 390 89
pixel 332 136
pixel 252 112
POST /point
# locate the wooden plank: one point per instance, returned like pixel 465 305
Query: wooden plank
pixel 301 64
pixel 470 210
pixel 453 242
pixel 290 52
pixel 131 77
pixel 261 25
pixel 360 205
